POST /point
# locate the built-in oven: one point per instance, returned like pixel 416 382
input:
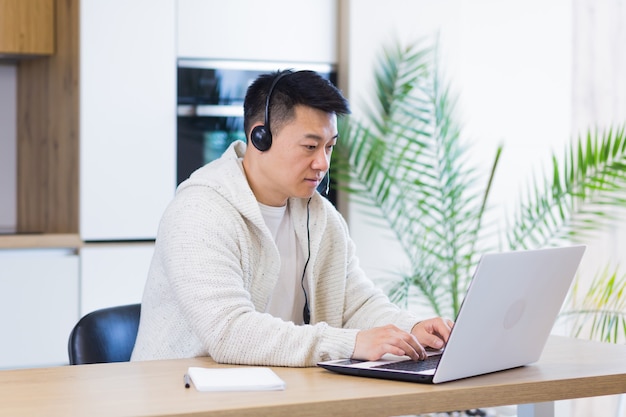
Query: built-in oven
pixel 210 107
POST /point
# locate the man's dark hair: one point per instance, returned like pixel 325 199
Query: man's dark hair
pixel 306 88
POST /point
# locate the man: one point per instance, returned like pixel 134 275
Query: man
pixel 253 266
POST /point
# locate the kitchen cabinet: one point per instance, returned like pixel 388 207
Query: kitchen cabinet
pixel 38 305
pixel 96 128
pixel 271 30
pixel 113 274
pixel 127 117
pixel 26 27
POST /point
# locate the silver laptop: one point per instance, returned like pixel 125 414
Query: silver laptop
pixel 504 322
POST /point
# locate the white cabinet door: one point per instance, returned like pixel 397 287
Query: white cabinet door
pixel 127 117
pixel 38 306
pixel 270 30
pixel 113 275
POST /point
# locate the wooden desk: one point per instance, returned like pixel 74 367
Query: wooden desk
pixel 569 368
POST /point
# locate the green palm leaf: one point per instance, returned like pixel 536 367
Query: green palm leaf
pixel 572 203
pixel 405 164
pixel 600 311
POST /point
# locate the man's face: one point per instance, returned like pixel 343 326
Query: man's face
pixel 299 157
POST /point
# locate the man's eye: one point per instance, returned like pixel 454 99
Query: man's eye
pixel 311 147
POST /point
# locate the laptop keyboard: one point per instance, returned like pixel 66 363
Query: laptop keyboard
pixel 411 365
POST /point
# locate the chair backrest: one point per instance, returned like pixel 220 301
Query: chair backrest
pixel 106 335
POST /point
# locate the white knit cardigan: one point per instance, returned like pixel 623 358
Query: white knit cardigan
pixel 214 268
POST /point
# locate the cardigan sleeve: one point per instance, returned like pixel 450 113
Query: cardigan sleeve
pixel 344 296
pixel 366 305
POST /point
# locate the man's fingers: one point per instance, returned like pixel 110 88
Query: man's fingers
pixel 372 344
pixel 412 347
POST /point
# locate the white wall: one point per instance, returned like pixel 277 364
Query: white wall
pixel 599 84
pixel 8 148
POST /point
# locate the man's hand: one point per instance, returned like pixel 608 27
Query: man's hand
pixel 433 333
pixel 372 344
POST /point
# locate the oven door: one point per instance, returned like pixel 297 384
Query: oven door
pixel 203 137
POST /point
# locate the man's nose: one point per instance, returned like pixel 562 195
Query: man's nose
pixel 321 161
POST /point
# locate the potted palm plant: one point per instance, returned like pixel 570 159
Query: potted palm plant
pixel 406 163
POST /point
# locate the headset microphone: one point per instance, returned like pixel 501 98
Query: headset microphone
pixel 327 184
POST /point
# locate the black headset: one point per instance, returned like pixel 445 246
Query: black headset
pixel 261 136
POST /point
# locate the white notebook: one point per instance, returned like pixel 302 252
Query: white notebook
pixel 235 379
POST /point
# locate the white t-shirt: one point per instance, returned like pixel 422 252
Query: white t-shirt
pixel 287 300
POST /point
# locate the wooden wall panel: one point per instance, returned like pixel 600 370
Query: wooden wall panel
pixel 48 132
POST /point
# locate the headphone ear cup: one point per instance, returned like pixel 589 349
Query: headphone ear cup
pixel 261 138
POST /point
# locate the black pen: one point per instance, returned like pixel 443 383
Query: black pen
pixel 187 382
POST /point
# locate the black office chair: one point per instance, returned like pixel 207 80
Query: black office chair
pixel 106 335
